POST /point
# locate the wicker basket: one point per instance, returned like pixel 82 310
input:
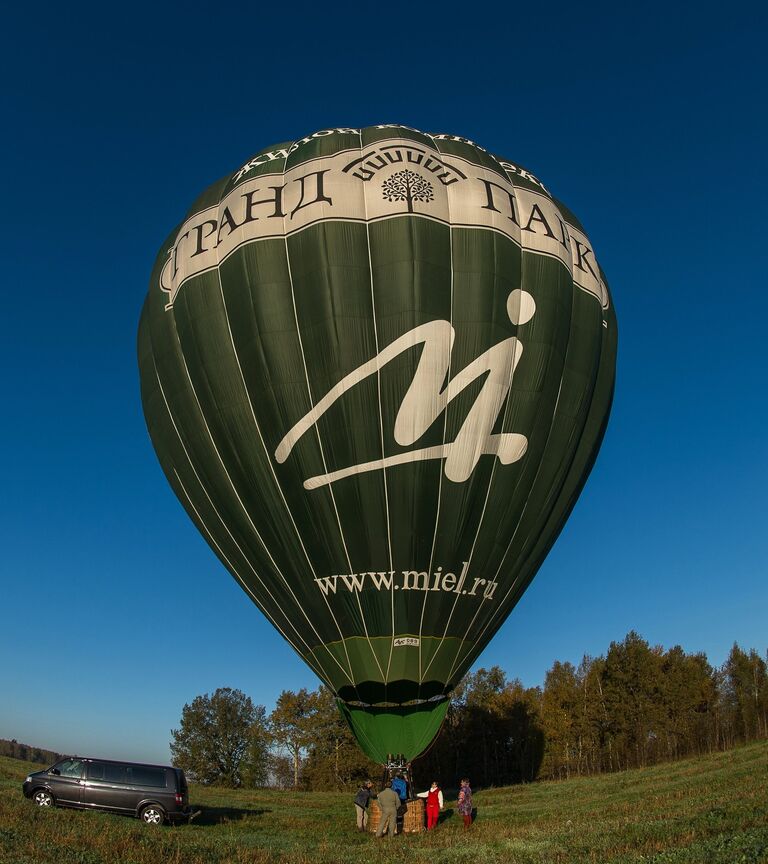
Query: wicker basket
pixel 413 821
pixel 374 816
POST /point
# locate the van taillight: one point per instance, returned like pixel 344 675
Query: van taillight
pixel 179 798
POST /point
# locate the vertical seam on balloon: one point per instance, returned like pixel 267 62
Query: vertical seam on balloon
pixel 278 570
pixel 422 671
pixel 277 604
pixel 381 426
pixel 459 647
pixel 322 453
pixel 215 510
pixel 325 469
pixel 501 604
pixel 338 518
pixel 237 496
pixel 269 461
pixel 477 533
pixel 494 616
pixel 494 467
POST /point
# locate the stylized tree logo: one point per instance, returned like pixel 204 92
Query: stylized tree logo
pixel 408 186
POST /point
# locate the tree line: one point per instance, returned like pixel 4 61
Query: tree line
pixel 635 706
pixel 27 752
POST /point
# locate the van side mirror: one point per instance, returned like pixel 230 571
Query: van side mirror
pixel 55 771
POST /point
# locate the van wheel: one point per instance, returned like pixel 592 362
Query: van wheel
pixel 152 814
pixel 43 798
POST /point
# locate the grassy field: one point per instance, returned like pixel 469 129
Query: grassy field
pixel 712 810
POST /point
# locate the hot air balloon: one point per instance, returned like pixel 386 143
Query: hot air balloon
pixel 376 367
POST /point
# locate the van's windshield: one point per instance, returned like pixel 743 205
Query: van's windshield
pixel 69 768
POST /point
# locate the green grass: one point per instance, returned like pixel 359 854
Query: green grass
pixel 712 810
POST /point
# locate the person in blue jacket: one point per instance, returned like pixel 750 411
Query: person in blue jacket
pixel 400 786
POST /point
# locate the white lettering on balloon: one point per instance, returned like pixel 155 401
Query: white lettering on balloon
pixel 340 187
pixel 425 400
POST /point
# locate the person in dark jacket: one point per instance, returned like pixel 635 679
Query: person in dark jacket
pixel 362 800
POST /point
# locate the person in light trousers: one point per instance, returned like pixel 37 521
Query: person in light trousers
pixel 362 800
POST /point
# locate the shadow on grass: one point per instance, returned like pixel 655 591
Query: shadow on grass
pixel 450 814
pixel 217 815
pixel 445 816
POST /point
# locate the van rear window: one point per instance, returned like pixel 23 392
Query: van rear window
pixel 139 775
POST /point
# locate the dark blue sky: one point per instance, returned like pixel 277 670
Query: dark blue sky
pixel 649 124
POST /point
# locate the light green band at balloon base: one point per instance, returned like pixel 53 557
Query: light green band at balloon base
pixel 404 730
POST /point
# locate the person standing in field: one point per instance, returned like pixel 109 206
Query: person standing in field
pixel 362 800
pixel 389 801
pixel 434 796
pixel 400 786
pixel 465 802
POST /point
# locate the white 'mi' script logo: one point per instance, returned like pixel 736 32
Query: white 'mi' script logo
pixel 425 400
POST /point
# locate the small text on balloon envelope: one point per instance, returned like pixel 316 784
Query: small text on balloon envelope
pixel 409 580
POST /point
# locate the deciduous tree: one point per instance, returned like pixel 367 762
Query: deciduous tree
pixel 292 725
pixel 334 759
pixel 222 739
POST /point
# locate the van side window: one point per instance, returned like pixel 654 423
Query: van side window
pixel 94 771
pixel 115 773
pixel 70 768
pixel 143 776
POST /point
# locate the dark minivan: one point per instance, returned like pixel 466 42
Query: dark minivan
pixel 153 793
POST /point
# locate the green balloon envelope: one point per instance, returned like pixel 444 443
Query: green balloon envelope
pixel 376 367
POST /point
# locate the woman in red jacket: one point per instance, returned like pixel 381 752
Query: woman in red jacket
pixel 434 796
